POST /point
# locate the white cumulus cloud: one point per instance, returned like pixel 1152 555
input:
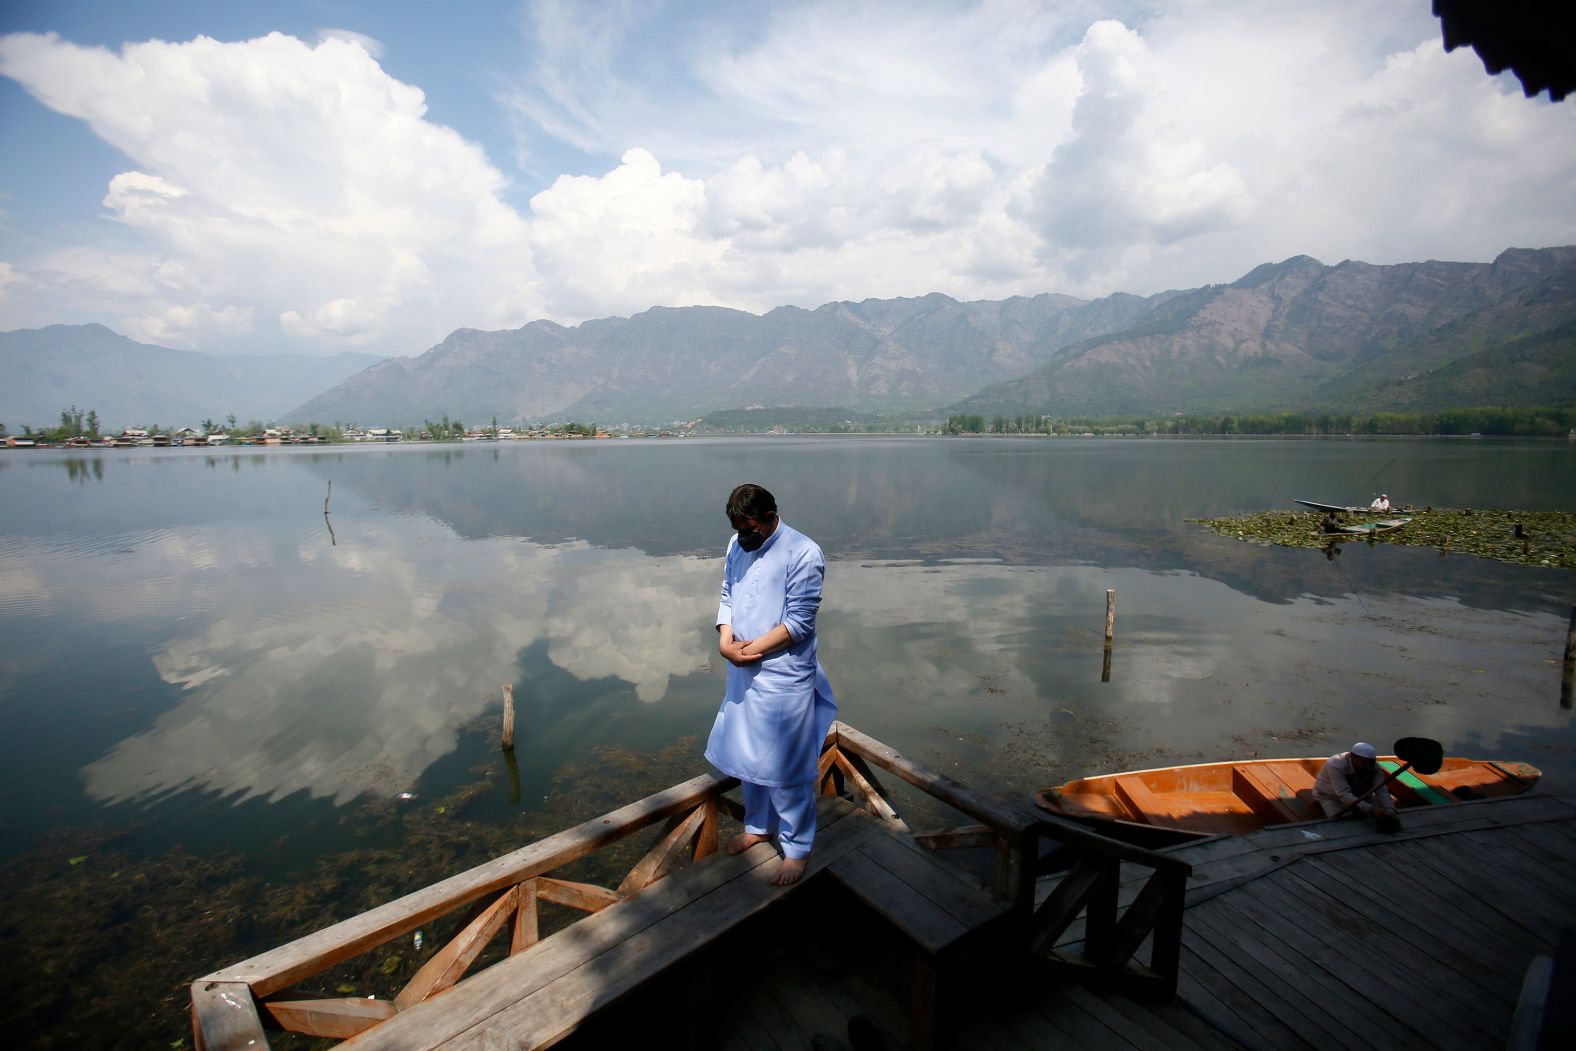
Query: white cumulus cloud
pixel 291 181
pixel 279 193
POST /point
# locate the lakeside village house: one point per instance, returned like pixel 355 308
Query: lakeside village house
pixel 191 436
pixel 133 437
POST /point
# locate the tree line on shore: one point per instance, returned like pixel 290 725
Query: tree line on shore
pixel 1495 422
pixel 1487 421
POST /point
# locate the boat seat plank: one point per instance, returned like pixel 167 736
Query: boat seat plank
pixel 1417 784
pixel 1141 802
pixel 1266 794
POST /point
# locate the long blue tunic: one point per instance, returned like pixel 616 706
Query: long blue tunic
pixel 776 712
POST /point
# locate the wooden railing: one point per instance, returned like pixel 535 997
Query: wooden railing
pixel 234 1006
pixel 1010 831
pixel 1112 935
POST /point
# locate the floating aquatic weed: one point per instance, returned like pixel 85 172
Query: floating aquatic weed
pixel 1530 538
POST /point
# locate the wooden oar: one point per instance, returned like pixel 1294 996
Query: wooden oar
pixel 1422 754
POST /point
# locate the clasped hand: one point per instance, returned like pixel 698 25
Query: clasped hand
pixel 732 651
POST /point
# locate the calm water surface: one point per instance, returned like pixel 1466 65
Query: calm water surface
pixel 188 650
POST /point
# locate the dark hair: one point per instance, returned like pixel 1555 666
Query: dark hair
pixel 750 501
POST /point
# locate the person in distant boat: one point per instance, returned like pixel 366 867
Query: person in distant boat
pixel 1346 777
pixel 778 704
pixel 1381 503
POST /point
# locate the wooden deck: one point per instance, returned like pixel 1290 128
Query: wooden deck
pixel 1323 934
pixel 1292 941
pixel 1289 941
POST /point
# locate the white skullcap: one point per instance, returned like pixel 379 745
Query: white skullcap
pixel 1364 749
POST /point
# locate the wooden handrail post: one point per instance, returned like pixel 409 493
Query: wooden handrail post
pixel 1100 923
pixel 1014 876
pixel 1165 958
pixel 526 931
pixel 706 841
pixel 225 1018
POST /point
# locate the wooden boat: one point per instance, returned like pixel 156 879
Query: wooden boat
pixel 1176 803
pixel 1351 509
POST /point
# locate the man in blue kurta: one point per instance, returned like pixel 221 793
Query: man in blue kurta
pixel 778 705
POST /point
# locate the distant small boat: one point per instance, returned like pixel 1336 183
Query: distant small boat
pixel 1360 529
pixel 1349 509
pixel 1176 803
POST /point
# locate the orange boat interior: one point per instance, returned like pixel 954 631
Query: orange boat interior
pixel 1233 798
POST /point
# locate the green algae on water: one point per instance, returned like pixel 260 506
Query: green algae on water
pixel 1530 538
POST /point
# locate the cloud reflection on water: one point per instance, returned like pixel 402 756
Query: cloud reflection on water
pixel 186 628
pixel 341 670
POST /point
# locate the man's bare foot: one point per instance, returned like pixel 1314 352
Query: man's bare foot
pixel 744 841
pixel 789 872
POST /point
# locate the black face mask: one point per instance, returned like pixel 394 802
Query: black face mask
pixel 750 540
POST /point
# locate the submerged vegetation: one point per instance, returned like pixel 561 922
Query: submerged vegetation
pixel 100 944
pixel 1531 538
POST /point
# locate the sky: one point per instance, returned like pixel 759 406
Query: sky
pixel 317 176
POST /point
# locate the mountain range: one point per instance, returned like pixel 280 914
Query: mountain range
pixel 130 384
pixel 1300 335
pixel 666 363
pixel 1294 335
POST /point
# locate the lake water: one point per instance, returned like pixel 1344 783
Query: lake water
pixel 190 654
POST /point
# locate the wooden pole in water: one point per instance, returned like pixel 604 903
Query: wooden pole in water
pixel 1568 672
pixel 513 767
pixel 1110 632
pixel 508 718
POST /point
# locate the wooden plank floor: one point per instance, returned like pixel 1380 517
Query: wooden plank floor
pixel 1290 941
pixel 1323 935
pixel 1328 933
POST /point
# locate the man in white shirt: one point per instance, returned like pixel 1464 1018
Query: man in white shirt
pixel 1380 504
pixel 1346 777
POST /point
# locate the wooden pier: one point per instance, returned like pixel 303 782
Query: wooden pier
pixel 1325 933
